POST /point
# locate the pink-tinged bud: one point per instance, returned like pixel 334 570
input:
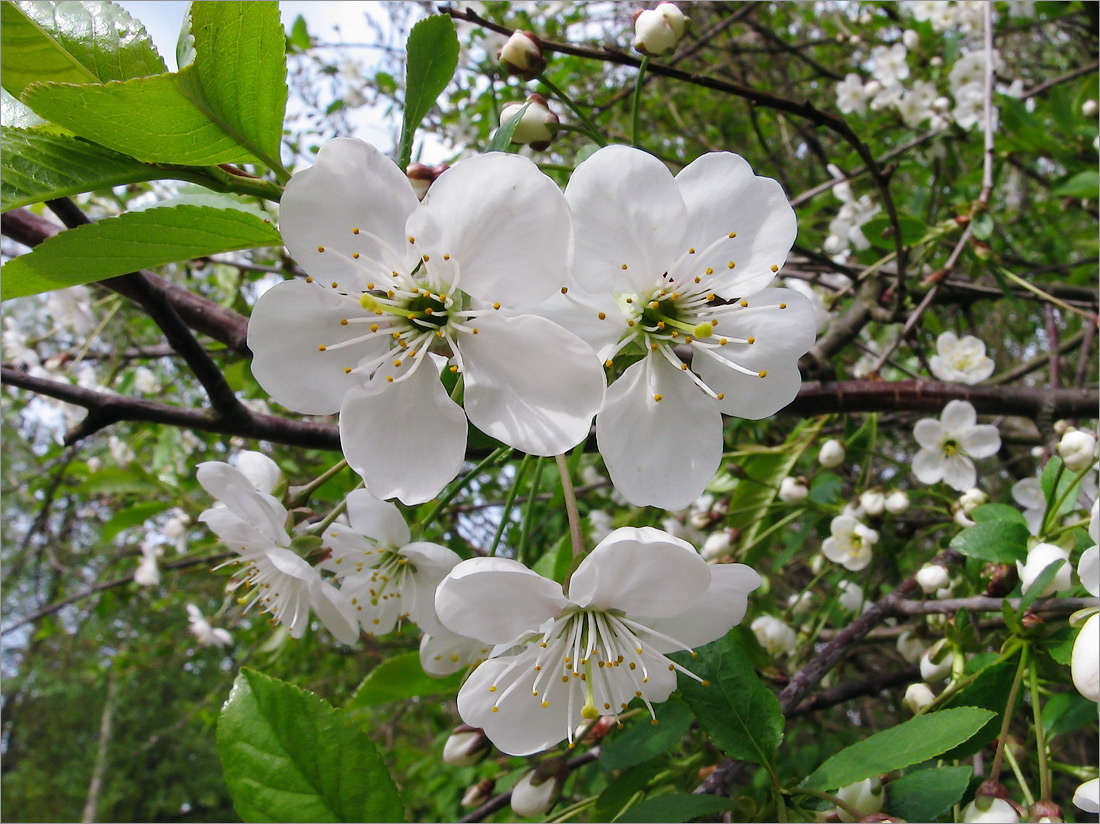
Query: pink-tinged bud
pixel 421 177
pixel 538 790
pixel 465 747
pixel 477 794
pixel 657 31
pixel 537 126
pixel 522 55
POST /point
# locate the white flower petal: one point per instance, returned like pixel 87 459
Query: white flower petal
pixel 289 325
pixel 447 653
pixel 958 472
pixel 352 185
pixel 780 337
pixel 262 472
pixel 1088 570
pixel 379 520
pixel 504 222
pixel 982 441
pixel 642 571
pixel 496 599
pixel 432 563
pixel 530 383
pixel 235 532
pixel 659 453
pixel 929 433
pixel 233 489
pixel 1083 659
pixel 722 196
pixel 627 210
pixel 720 608
pixel 1087 796
pixel 335 612
pixel 407 439
pixel 958 417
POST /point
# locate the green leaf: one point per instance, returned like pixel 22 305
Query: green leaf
pixel 40 166
pixel 643 740
pixel 880 232
pixel 927 794
pixel 299 40
pixel 288 755
pixel 1083 184
pixel 238 78
pixel 622 789
pixel 67 42
pixel 397 679
pixel 132 241
pixel 740 714
pixel 1039 584
pixel 502 137
pixel 911 742
pixel 1058 484
pixel 1067 712
pixel 131 516
pixel 999 541
pixel 997 512
pixel 987 691
pixel 432 58
pixel 679 807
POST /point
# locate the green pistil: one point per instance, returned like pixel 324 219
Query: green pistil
pixel 950 447
pixel 428 309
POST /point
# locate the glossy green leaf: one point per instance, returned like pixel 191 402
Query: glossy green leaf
pixel 132 241
pixel 623 788
pixel 67 42
pixel 1059 485
pixel 989 690
pixel 239 73
pixel 502 137
pixel 644 740
pixel 997 512
pixel 39 166
pixel 432 58
pixel 927 794
pixel 999 541
pixel 16 114
pixel 288 755
pixel 737 710
pixel 679 807
pixel 1067 712
pixel 398 679
pixel 909 743
pixel 1083 184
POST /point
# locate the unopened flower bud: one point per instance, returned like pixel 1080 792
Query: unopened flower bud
pixel 537 126
pixel 831 454
pixel 935 664
pixel 657 31
pixel 1077 449
pixel 851 596
pixel 793 490
pixel 897 502
pixel 873 502
pixel 1061 427
pixel 910 647
pixel 1089 108
pixel 465 747
pixel 800 603
pixel 533 799
pixel 988 809
pixel 935 60
pixel 911 39
pixel 866 796
pixel 1038 559
pixel 477 794
pixel 716 545
pixel 1085 660
pixel 932 577
pixel 421 177
pixel 917 697
pixel 522 55
pixel 774 636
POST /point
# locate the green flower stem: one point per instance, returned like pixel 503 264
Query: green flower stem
pixel 1040 736
pixel 573 809
pixel 461 484
pixel 529 513
pixel 998 759
pixel 638 98
pixel 302 493
pixel 1053 506
pixel 336 512
pixel 566 127
pixel 573 107
pixel 511 499
pixel 576 535
pixel 780 804
pixel 1035 290
pixel 1014 765
pixel 244 185
pixel 832 799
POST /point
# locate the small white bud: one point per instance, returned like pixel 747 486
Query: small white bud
pixel 522 55
pixel 873 502
pixel 800 603
pixel 793 490
pixel 935 60
pixel 657 31
pixel 866 796
pixel 917 697
pixel 535 800
pixel 774 636
pixel 716 545
pixel 537 126
pixel 1077 449
pixel 994 811
pixel 932 577
pixel 831 454
pixel 1061 427
pixel 935 664
pixel 1089 108
pixel 465 747
pixel 911 39
pixel 1039 557
pixel 897 502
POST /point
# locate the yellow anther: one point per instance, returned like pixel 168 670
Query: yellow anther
pixel 675 295
pixel 630 300
pixel 545 704
pixel 710 271
pixel 428 310
pixel 496 305
pixel 721 395
pixel 426 258
pixel 602 316
pixel 763 373
pixel 394 274
pixel 658 397
pixel 630 323
pixel 675 334
pixel 653 347
pixel 496 709
pixel 355 255
pixel 730 265
pixel 564 290
pixel 335 284
pixel 343 321
pixel 446 257
pixel 782 306
pixel 691 251
pixel 688 339
pixel 374 327
pixel 389 378
pixel 744 304
pixel 660 324
pixel 309 279
pixel 722 341
pixel 475 330
pixel 609 363
pixel 410 316
pixel 698 280
pixel 412 239
pixel 397 362
pixel 683 367
pixel 706 683
pixel 751 340
pixel 355 230
pixel 347 371
pixel 320 248
pixel 624 267
pixel 733 234
pixel 321 348
pixel 710 297
pixel 454 368
pixel 775 268
pixel 565 679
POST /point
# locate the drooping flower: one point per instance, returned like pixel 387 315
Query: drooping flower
pixel 1039 558
pixel 949 444
pixel 988 809
pixel 639 595
pixel 281 583
pixel 960 360
pixel 850 543
pixel 657 31
pixel 204 633
pixel 394 280
pixel 522 55
pixel 666 266
pixel 535 793
pixel 1077 449
pixel 386 576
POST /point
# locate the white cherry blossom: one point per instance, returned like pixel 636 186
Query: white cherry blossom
pixel 394 280
pixel 669 265
pixel 1028 494
pixel 204 633
pixel 850 543
pixel 949 444
pixel 960 360
pixel 639 595
pixel 386 576
pixel 774 636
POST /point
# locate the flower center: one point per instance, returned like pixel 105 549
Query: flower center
pixel 950 447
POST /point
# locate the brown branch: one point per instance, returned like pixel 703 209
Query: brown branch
pixel 854 689
pixel 501 801
pixel 1080 71
pixel 982 603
